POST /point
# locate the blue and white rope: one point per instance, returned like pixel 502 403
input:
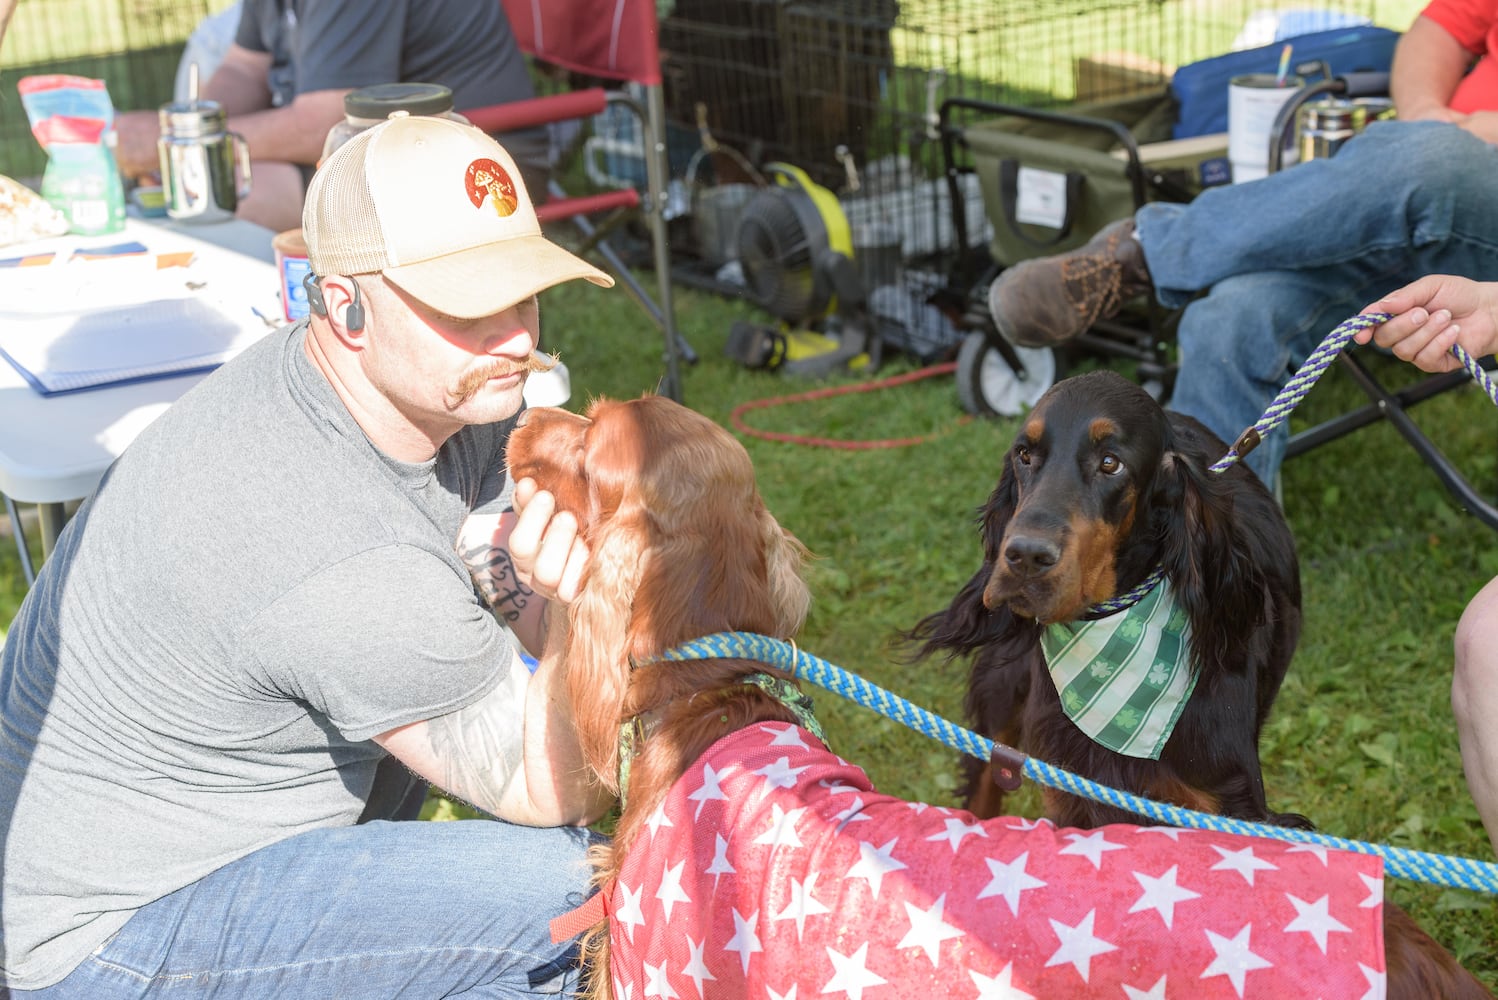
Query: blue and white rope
pixel 1416 866
pixel 1316 365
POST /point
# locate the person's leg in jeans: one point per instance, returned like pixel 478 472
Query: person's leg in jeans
pixel 1236 346
pixel 384 909
pixel 1242 341
pixel 1399 187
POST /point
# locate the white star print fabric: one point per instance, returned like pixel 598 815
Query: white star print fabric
pixel 774 870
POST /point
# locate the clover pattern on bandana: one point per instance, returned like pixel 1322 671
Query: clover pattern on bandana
pixel 774 870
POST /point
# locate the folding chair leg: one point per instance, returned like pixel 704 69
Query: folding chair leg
pixel 1392 406
pixel 1393 411
pixel 676 344
pixel 656 173
pixel 22 549
pixel 624 48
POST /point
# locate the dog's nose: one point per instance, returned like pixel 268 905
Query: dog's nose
pixel 1031 556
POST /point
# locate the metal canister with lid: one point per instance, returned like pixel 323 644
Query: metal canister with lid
pixel 368 106
pixel 205 168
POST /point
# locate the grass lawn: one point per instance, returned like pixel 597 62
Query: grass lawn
pixel 1362 738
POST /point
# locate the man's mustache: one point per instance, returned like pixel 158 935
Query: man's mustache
pixel 475 380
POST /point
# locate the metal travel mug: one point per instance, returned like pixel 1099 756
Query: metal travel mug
pixel 205 169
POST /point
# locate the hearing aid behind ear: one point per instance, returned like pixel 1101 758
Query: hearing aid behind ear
pixel 353 317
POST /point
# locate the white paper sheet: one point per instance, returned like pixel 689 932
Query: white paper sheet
pixel 85 324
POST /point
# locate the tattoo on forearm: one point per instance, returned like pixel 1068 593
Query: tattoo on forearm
pixel 494 574
pixel 480 748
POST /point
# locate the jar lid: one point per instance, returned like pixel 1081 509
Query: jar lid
pixel 192 118
pixel 379 100
pixel 1330 113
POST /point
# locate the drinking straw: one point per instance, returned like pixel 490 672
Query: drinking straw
pixel 1279 78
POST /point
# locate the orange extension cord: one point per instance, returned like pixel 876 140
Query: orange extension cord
pixel 736 417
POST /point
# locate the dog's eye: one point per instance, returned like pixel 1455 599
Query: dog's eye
pixel 1110 465
pixel 1022 454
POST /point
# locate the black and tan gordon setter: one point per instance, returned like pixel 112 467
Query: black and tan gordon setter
pixel 1101 489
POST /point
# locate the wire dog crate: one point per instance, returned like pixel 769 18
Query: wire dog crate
pixel 799 81
pixel 795 79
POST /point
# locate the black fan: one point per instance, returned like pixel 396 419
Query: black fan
pixel 797 258
pixel 782 240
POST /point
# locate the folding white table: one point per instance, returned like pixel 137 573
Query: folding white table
pixel 56 449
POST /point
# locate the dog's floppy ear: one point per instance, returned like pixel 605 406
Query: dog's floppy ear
pixel 1206 554
pixel 967 623
pixel 714 567
pixel 598 653
pixel 790 597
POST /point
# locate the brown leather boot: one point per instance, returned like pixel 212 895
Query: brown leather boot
pixel 1050 300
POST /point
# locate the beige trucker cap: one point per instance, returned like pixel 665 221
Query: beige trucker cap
pixel 440 209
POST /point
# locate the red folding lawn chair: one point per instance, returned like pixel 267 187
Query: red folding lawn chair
pixel 612 40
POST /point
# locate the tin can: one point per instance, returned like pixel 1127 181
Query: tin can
pixel 1326 124
pixel 292 267
pixel 1324 127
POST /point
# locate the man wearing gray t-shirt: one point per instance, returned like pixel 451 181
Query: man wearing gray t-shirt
pixel 304 583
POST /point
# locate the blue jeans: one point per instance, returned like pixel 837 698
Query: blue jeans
pixel 1286 258
pixel 414 909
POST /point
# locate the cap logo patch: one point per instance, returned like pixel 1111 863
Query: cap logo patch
pixel 486 179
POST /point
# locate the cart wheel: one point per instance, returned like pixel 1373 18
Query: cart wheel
pixel 988 387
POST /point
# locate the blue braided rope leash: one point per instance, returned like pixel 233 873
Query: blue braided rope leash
pixel 1277 412
pixel 1314 367
pixel 1416 866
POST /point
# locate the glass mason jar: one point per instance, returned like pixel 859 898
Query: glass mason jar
pixel 368 106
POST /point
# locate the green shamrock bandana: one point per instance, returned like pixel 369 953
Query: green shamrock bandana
pixel 1124 679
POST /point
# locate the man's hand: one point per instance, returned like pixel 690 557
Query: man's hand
pixel 1432 111
pixel 550 555
pixel 524 559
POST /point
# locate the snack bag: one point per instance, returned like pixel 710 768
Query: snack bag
pixel 24 216
pixel 73 119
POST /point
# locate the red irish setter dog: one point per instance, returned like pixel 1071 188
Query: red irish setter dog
pixel 733 807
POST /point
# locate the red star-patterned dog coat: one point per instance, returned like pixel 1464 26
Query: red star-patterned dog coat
pixel 774 870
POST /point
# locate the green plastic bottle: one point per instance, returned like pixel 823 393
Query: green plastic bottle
pixel 83 183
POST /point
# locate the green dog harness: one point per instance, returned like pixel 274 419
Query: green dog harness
pixel 1124 679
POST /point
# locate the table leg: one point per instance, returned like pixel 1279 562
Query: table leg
pixel 53 517
pixel 23 550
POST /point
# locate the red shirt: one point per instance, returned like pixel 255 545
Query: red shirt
pixel 774 870
pixel 1474 24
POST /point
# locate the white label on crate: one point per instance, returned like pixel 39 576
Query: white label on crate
pixel 1040 198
